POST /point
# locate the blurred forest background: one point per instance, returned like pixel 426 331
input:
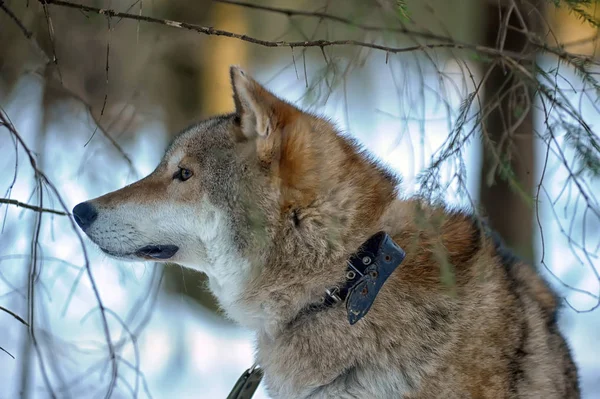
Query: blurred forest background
pixel 490 105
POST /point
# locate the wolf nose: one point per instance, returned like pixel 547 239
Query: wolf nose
pixel 84 214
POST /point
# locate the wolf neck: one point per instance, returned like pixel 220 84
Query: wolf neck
pixel 229 289
pixel 330 209
pixel 227 275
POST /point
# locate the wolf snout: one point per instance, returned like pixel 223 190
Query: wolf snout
pixel 85 214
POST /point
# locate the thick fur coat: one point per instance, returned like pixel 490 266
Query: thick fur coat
pixel 271 201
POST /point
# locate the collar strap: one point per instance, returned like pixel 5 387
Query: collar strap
pixel 368 269
pixel 247 384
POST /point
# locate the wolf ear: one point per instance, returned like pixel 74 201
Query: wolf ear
pixel 260 111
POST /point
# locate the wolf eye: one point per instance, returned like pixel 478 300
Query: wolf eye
pixel 183 174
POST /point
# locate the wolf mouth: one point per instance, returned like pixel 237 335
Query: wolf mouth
pixel 157 251
pixel 162 252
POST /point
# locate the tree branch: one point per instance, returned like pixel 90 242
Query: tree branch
pixel 43 179
pixel 323 15
pixel 28 34
pixel 210 31
pixel 13 314
pixel 7 352
pixel 12 16
pixel 46 59
pixel 32 207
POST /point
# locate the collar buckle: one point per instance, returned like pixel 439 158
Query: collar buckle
pixel 368 269
pixel 334 294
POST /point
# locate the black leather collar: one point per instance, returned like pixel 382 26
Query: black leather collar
pixel 368 269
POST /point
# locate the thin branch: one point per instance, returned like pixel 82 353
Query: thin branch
pixel 12 16
pixel 13 314
pixel 46 58
pixel 52 43
pixel 322 15
pixel 105 93
pixel 500 52
pixel 26 32
pixel 32 207
pixel 105 132
pixel 210 31
pixel 43 179
pixel 7 352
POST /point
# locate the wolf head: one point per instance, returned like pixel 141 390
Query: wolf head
pixel 235 193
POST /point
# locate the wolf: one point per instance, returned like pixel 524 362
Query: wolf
pixel 271 202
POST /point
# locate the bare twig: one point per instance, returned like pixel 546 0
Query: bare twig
pixel 7 352
pixel 559 51
pixel 26 32
pixel 12 16
pixel 46 58
pixel 323 15
pixel 41 178
pixel 32 207
pixel 104 132
pixel 13 314
pixel 52 43
pixel 109 29
pixel 448 42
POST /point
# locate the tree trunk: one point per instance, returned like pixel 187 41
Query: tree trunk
pixel 508 167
